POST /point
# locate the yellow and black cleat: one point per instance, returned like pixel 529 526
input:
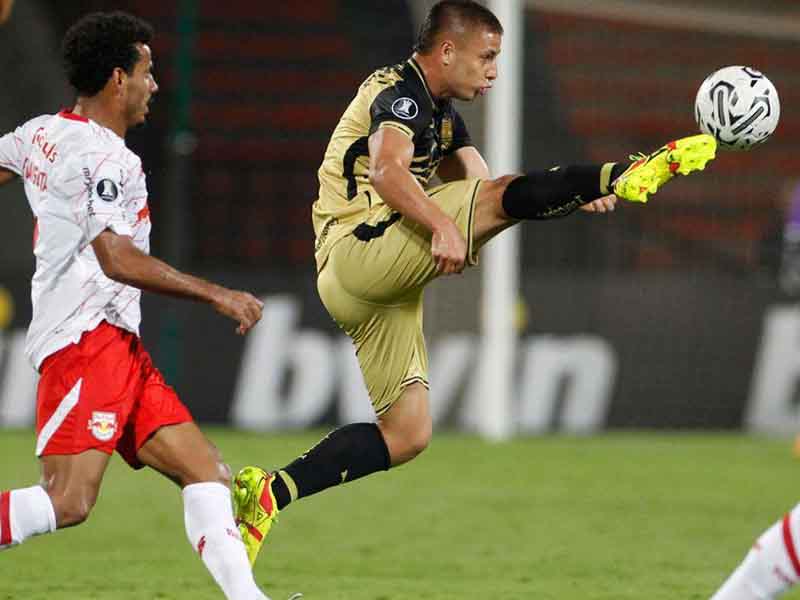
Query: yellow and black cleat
pixel 649 173
pixel 255 508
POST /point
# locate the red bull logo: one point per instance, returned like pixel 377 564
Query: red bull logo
pixel 103 425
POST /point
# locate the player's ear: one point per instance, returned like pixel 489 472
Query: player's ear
pixel 447 51
pixel 118 78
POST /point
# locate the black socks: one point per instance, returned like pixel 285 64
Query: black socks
pixel 346 454
pixel 559 191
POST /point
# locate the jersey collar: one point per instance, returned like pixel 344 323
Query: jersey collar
pixel 421 74
pixel 66 113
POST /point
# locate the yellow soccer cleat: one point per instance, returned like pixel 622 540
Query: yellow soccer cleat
pixel 255 508
pixel 649 173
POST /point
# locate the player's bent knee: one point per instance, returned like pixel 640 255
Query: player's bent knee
pixel 493 189
pixel 407 445
pixel 72 509
pixel 419 442
pixel 490 213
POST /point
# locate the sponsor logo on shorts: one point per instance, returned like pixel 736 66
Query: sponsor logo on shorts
pixel 103 425
pixel 405 108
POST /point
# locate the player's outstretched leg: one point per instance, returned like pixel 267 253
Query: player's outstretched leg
pixel 649 173
pixel 70 485
pixel 771 567
pixel 557 192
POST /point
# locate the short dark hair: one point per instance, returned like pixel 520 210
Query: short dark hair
pixel 447 13
pixel 97 44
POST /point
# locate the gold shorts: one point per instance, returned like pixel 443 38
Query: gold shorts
pixel 372 286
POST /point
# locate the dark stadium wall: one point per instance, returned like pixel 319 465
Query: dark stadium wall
pixel 666 350
pixel 666 315
pixel 28 58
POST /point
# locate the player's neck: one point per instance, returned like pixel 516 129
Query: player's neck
pixel 98 110
pixel 433 77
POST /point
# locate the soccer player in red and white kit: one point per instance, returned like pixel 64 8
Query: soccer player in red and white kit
pixel 99 390
pixel 772 566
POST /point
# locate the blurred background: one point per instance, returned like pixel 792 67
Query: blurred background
pixel 682 313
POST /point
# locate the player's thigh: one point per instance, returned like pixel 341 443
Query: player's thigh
pixel 183 454
pixel 392 354
pixel 389 257
pixel 156 409
pixel 389 342
pixel 73 483
pixel 61 473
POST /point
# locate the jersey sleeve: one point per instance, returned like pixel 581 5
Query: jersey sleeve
pixel 100 205
pixel 11 151
pixel 401 108
pixel 461 138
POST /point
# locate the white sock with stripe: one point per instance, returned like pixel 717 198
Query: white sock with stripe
pixel 214 535
pixel 771 567
pixel 25 513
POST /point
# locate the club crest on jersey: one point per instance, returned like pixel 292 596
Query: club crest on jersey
pixel 103 425
pixel 107 190
pixel 405 108
pixel 447 133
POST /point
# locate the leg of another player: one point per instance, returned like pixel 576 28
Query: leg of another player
pixel 771 567
pixel 73 483
pixel 70 484
pixel 359 449
pixel 183 454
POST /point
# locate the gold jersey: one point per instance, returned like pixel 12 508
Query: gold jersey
pixel 397 97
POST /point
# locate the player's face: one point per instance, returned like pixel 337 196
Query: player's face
pixel 141 86
pixel 474 65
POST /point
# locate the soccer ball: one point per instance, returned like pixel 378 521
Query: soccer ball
pixel 739 106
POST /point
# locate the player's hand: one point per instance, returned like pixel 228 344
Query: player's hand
pixel 448 248
pixel 239 306
pixel 601 205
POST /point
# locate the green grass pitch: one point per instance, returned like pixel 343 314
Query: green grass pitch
pixel 614 517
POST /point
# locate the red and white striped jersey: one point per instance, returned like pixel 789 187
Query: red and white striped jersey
pixel 80 179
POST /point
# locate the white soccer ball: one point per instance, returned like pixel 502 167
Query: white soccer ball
pixel 739 106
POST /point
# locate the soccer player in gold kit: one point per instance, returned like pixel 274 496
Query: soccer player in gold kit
pixel 382 234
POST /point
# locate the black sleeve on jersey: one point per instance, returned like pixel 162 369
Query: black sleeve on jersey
pixel 400 104
pixel 461 137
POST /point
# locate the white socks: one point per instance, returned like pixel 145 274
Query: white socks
pixel 25 513
pixel 214 535
pixel 771 567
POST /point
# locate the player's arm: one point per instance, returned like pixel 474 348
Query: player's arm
pixel 122 261
pixel 6 176
pixel 10 155
pixel 464 163
pixel 390 155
